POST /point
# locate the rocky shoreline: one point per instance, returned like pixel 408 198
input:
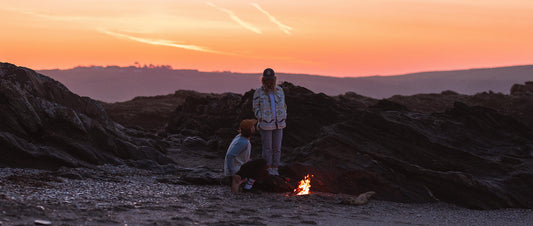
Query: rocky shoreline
pixel 121 195
pixel 421 156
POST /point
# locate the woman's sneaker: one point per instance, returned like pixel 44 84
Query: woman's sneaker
pixel 270 171
pixel 275 172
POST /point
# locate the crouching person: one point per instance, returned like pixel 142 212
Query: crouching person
pixel 249 173
pixel 237 164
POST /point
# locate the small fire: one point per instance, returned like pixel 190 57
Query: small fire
pixel 303 186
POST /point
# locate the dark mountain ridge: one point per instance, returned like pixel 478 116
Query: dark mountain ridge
pixel 113 83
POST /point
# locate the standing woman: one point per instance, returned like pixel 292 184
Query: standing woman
pixel 271 111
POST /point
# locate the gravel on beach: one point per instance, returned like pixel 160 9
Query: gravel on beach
pixel 120 195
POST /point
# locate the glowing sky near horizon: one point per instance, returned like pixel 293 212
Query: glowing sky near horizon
pixel 334 37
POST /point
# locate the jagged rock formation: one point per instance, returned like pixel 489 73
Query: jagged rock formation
pixel 471 156
pixel 518 104
pixel 44 125
pixel 522 90
pixel 150 113
pixel 215 117
pixel 475 151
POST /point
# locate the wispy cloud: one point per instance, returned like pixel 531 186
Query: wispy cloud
pixel 198 48
pixel 236 18
pixel 273 19
pixel 163 43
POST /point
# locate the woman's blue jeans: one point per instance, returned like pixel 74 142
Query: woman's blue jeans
pixel 271 140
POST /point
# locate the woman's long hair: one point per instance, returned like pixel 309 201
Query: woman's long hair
pixel 269 84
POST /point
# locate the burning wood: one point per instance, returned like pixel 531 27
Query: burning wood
pixel 303 186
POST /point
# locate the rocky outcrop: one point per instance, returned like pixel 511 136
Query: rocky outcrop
pixel 514 105
pixel 215 117
pixel 475 151
pixel 469 155
pixel 44 125
pixel 149 113
pixel 522 90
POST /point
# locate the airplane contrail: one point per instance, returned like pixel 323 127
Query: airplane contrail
pixel 273 19
pixel 163 43
pixel 236 18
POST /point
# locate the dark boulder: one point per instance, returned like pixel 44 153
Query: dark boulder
pixel 517 105
pixel 44 125
pixel 522 90
pixel 470 156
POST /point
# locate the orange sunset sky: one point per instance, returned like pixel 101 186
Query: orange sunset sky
pixel 333 37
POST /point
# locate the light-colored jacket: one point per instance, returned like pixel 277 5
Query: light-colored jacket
pixel 263 110
pixel 238 154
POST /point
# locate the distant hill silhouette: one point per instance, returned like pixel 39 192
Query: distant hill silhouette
pixel 114 84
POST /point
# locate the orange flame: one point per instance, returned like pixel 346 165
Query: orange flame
pixel 303 186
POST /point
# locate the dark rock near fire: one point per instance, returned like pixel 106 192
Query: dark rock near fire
pixel 470 156
pixel 274 184
pixel 44 125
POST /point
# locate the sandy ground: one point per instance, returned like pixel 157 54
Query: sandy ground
pixel 110 195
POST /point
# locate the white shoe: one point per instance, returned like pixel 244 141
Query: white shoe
pixel 249 184
pixel 275 172
pixel 270 171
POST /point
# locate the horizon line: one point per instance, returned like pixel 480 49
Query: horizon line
pixel 287 73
